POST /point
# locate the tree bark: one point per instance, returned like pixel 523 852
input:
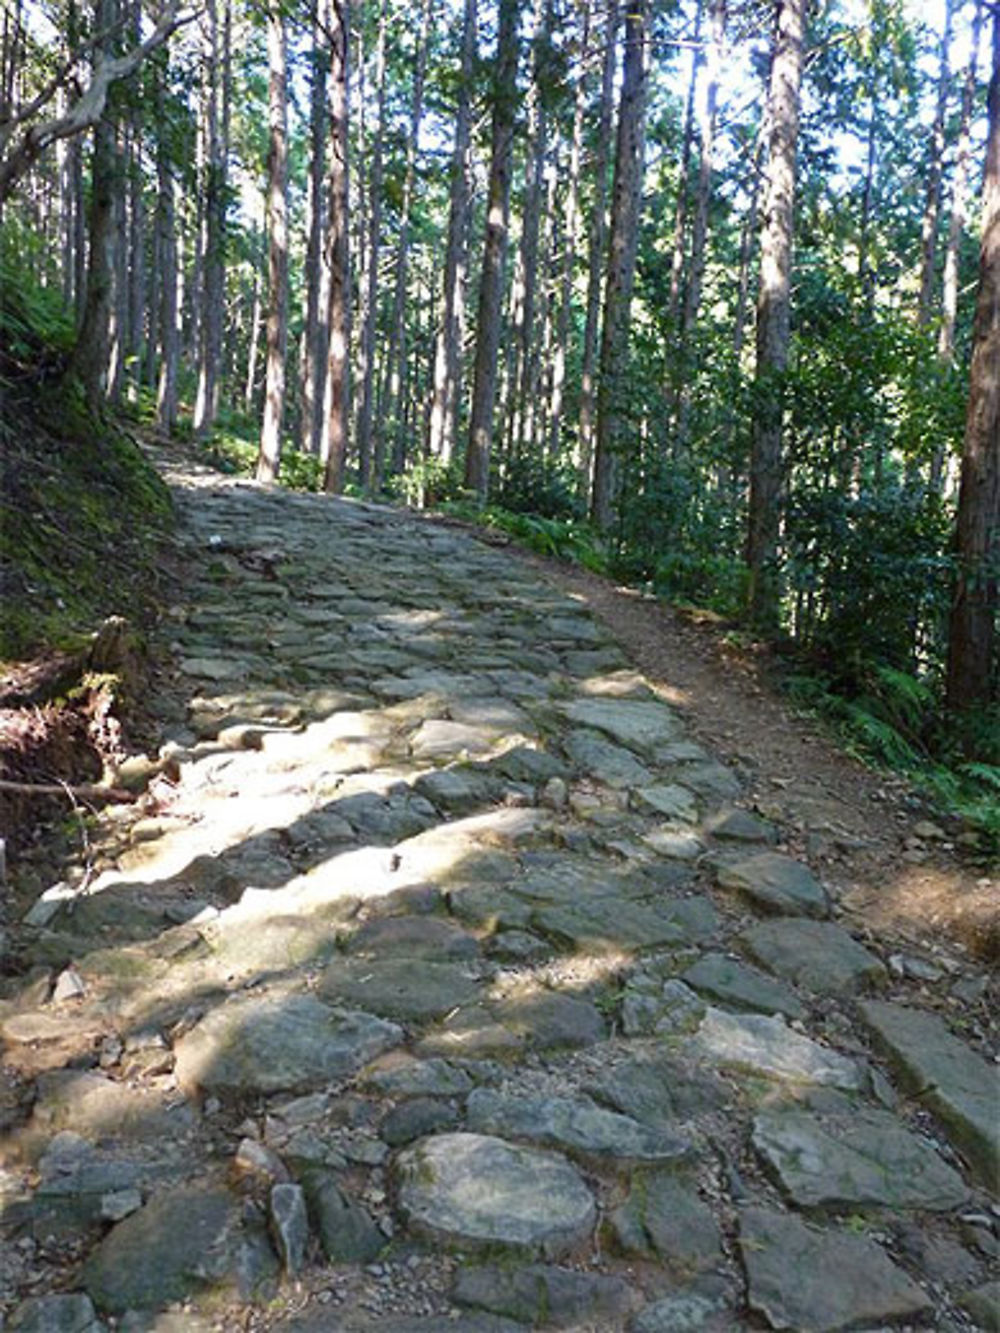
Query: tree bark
pixel 774 313
pixel 367 409
pixel 388 429
pixel 447 356
pixel 972 629
pixel 595 255
pixel 626 199
pixel 477 459
pixel 269 457
pixel 932 197
pixel 214 261
pixel 314 333
pixel 169 332
pixel 336 400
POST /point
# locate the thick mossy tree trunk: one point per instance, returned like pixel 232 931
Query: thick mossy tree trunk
pixel 774 314
pixel 972 665
pixel 477 459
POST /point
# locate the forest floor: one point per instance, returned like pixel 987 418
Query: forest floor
pixel 491 948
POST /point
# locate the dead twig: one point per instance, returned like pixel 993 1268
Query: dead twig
pixel 85 792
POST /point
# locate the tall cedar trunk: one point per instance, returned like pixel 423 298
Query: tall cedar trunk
pixel 89 362
pixel 679 244
pixel 336 399
pixel 169 332
pixel 625 202
pixel 269 456
pixel 595 255
pixel 214 271
pixel 865 275
pixel 774 313
pixel 527 340
pixel 136 253
pixel 699 226
pixel 253 341
pixel 314 331
pixel 932 196
pixel 118 333
pixel 972 629
pixel 477 459
pixel 959 202
pixel 367 408
pixel 570 242
pixel 389 428
pixel 447 356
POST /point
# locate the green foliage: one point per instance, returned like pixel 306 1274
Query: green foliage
pixel 35 328
pixel 427 482
pixel 563 539
pixel 233 448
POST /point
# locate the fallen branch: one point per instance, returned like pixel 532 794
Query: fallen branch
pixel 85 792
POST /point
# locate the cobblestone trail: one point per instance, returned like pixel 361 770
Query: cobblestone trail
pixel 444 983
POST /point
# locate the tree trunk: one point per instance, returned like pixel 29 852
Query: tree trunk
pixel 570 242
pixel 166 401
pixel 314 333
pixel 972 628
pixel 774 313
pixel 336 399
pixel 447 356
pixel 367 411
pixel 477 459
pixel 388 428
pixel 959 202
pixel 626 199
pixel 595 254
pixel 684 176
pixel 269 457
pixel 214 261
pixel 89 362
pixel 932 197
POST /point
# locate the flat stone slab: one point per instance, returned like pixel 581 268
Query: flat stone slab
pixel 399 988
pixel 575 1124
pixel 613 923
pixel 540 1293
pixel 441 739
pixel 179 1244
pixel 818 955
pixel 775 883
pixel 477 1190
pixel 664 1218
pixel 544 1019
pixel 766 1046
pixel 639 724
pixel 864 1159
pixel 802 1278
pixel 279 1043
pixel 70 1313
pixel 425 937
pixel 741 987
pixel 736 825
pixel 961 1088
pixel 599 758
pixel 402 1076
pixel 668 799
pixel 659 1091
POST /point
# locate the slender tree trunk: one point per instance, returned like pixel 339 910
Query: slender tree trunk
pixel 595 254
pixel 336 401
pixel 253 343
pixel 269 458
pixel 137 271
pixel 89 362
pixel 774 313
pixel 569 248
pixel 367 411
pixel 527 342
pixel 214 264
pixel 684 179
pixel 699 227
pixel 313 338
pixel 389 427
pixel 444 408
pixel 169 332
pixel 932 197
pixel 118 331
pixel 625 207
pixel 477 459
pixel 972 660
pixel 959 202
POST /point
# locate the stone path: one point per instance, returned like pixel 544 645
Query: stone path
pixel 444 983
